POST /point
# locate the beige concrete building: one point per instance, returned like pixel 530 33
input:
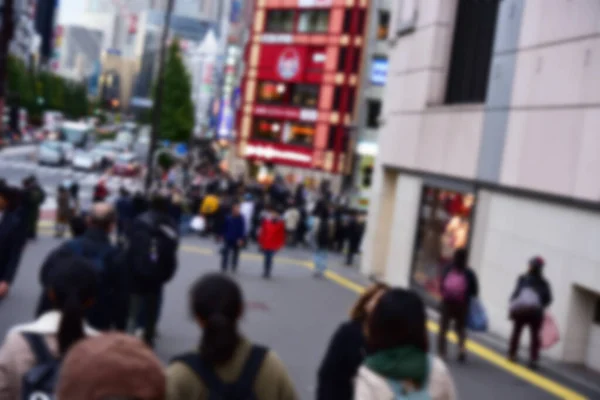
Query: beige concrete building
pixel 490 139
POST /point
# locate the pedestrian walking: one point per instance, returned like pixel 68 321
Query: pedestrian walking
pixel 100 191
pixel 109 311
pixel 323 241
pixel 234 229
pixel 271 239
pixel 115 366
pixel 247 211
pixel 459 285
pixel 63 211
pixel 70 288
pixel 347 349
pixel 11 244
pixel 152 257
pixel 399 364
pixel 226 361
pixel 356 231
pixel 531 297
pixel 209 210
pixel 36 197
pixel 292 219
pixel 124 208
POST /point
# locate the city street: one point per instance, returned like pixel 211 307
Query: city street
pixel 294 314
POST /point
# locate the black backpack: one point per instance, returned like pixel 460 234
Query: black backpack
pixel 242 389
pixel 39 382
pixel 153 249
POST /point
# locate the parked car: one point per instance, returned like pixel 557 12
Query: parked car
pixel 84 160
pixel 105 153
pixel 126 164
pixel 79 134
pixel 52 153
pixel 126 138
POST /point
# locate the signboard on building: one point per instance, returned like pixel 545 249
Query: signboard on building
pixel 379 68
pixel 279 153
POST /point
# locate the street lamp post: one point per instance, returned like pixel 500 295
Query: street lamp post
pixel 158 99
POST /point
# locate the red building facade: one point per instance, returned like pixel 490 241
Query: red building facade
pixel 299 90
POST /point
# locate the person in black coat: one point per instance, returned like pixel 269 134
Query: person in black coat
pixel 356 231
pixel 347 350
pixel 12 236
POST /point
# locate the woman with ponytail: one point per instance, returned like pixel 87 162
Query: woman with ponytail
pixel 71 288
pixel 226 365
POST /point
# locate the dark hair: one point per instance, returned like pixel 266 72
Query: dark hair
pixel 72 283
pixel 460 258
pixel 159 202
pixel 78 225
pixel 359 312
pixel 217 301
pixel 398 320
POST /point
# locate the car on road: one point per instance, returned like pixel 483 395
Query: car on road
pixel 79 134
pixel 106 152
pixel 51 152
pixel 84 160
pixel 127 164
pixel 126 138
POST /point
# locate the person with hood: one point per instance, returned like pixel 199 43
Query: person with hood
pixel 111 366
pixel 399 363
pixel 271 238
pixel 458 286
pixel 347 349
pixel 225 356
pixel 71 287
pixel 10 243
pixel 531 297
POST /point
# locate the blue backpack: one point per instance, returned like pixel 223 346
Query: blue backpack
pixel 402 390
pixel 39 383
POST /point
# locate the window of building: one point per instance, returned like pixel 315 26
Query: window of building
pixel 268 130
pixel 313 21
pixel 471 51
pixel 342 59
pixel 273 93
pixel 373 113
pixel 350 100
pixel 305 95
pixel 331 139
pixel 357 60
pixel 337 98
pixel 383 24
pixel 280 21
pixel 347 20
pixel 298 133
pixel 361 22
pixel 443 227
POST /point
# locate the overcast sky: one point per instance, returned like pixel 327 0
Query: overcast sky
pixel 70 10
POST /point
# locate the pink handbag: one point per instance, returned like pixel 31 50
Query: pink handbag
pixel 549 334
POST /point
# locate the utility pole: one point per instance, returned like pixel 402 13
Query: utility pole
pixel 6 35
pixel 159 94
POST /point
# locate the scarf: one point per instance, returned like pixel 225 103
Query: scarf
pixel 400 363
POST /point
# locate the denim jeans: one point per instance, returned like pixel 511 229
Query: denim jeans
pixel 269 255
pixel 320 260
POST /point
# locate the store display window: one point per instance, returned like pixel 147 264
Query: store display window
pixel 268 130
pixel 273 93
pixel 306 96
pixel 281 21
pixel 299 134
pixel 313 21
pixel 443 227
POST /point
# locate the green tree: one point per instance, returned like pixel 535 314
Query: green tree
pixel 177 111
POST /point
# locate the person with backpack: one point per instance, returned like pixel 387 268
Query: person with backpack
pixel 399 365
pixel 234 232
pixel 152 258
pixel 531 297
pixel 227 366
pixel 110 309
pixel 458 286
pixel 31 353
pixel 111 366
pixel 271 238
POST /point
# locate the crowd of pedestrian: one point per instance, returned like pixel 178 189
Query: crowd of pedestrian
pixel 100 302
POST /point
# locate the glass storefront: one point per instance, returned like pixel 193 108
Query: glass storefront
pixel 272 92
pixel 299 134
pixel 267 130
pixel 443 227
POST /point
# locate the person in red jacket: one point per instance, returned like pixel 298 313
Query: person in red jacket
pixel 271 238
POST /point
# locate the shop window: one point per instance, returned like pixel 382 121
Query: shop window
pixel 299 134
pixel 443 227
pixel 313 21
pixel 268 130
pixel 383 24
pixel 305 95
pixel 471 51
pixel 342 59
pixel 273 93
pixel 331 139
pixel 373 113
pixel 347 20
pixel 337 98
pixel 356 61
pixel 280 21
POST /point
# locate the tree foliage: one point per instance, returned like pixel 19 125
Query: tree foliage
pixel 41 91
pixel 177 111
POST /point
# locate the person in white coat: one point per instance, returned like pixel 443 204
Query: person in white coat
pixel 247 211
pixel 399 360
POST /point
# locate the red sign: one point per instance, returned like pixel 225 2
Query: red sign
pixel 283 62
pixel 280 153
pixel 289 63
